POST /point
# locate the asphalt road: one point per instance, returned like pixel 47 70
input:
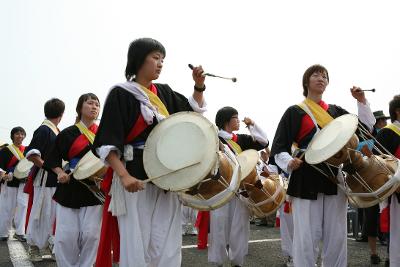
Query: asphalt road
pixel 264 250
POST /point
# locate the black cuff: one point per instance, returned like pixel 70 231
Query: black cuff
pixel 198 89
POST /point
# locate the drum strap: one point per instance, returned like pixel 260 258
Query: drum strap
pixel 51 125
pixel 86 132
pixel 155 100
pixel 316 112
pixel 395 128
pixel 17 155
pixel 16 151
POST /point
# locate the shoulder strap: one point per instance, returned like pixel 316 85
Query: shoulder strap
pixel 51 125
pixel 86 132
pixel 394 128
pixel 15 151
pixel 320 116
pixel 235 146
pixel 156 101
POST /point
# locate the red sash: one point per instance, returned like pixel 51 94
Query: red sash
pixel 28 189
pixel 81 142
pixel 109 235
pixel 13 161
pixel 307 124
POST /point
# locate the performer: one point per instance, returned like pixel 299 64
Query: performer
pixel 149 218
pixel 13 201
pixel 389 138
pixel 230 225
pixel 311 192
pixel 189 216
pixel 263 166
pixel 78 211
pixel 44 182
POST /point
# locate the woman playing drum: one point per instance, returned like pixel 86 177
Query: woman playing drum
pixel 319 209
pixel 150 215
pixel 78 211
pixel 229 225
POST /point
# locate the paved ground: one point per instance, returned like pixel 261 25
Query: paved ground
pixel 264 250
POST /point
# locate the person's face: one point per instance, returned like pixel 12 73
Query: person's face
pixel 152 66
pixel 18 137
pixel 264 155
pixel 90 109
pixel 317 83
pixel 234 123
pixel 380 123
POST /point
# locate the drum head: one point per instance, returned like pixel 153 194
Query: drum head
pixel 180 151
pixel 87 166
pixel 331 139
pixel 247 160
pixel 23 168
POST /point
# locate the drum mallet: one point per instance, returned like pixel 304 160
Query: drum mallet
pixel 371 90
pixel 213 75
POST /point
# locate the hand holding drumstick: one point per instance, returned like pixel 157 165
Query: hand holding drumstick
pixel 249 122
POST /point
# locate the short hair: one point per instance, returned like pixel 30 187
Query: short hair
pixel 307 74
pixel 81 100
pixel 394 105
pixel 54 108
pixel 224 115
pixel 137 53
pixel 16 130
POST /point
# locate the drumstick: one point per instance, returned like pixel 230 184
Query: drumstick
pixel 366 90
pixel 164 174
pixel 213 75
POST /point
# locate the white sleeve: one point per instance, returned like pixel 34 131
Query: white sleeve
pixel 33 152
pixel 282 160
pixel 258 134
pixel 195 106
pixel 365 115
pixel 103 152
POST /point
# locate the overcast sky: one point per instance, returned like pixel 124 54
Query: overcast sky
pixel 66 48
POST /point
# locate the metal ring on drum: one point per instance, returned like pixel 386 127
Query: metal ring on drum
pixel 369 178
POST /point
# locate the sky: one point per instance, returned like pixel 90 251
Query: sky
pixel 66 48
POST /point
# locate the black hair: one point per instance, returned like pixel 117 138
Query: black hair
pixel 394 105
pixel 54 108
pixel 307 74
pixel 224 115
pixel 17 130
pixel 137 53
pixel 81 100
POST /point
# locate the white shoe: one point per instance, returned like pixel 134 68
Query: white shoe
pixel 34 254
pixel 47 254
pixel 289 262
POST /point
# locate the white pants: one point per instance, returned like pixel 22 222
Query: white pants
pixel 13 204
pixel 286 231
pixel 77 235
pixel 229 225
pixel 315 220
pixel 394 246
pixel 42 217
pixel 150 231
pixel 189 215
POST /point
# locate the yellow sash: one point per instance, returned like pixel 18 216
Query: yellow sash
pixel 51 126
pixel 85 131
pixel 321 116
pixel 394 128
pixel 16 152
pixel 155 101
pixel 235 146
